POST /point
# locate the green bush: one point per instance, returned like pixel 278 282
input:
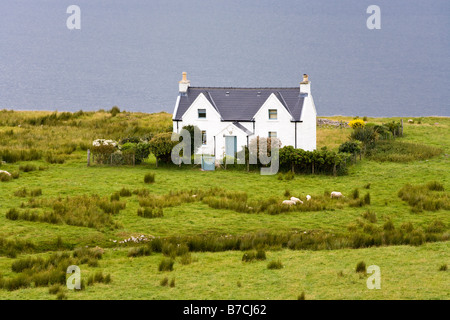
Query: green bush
pixel 323 161
pixel 350 147
pixel 195 145
pixel 114 111
pixel 366 135
pixel 161 146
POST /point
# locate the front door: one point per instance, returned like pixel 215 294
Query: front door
pixel 230 146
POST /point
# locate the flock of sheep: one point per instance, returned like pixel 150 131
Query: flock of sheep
pixel 293 201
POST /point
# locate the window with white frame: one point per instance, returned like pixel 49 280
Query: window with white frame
pixel 272 114
pixel 272 134
pixel 202 113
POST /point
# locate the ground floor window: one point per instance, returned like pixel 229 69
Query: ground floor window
pixel 272 134
pixel 203 137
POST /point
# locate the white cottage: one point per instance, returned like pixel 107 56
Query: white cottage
pixel 230 118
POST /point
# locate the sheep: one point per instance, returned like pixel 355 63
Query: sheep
pixel 336 194
pixel 296 200
pixel 289 202
pixel 308 197
pixel 410 121
pixel 5 172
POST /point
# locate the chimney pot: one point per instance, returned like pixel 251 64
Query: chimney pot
pixel 184 84
pixel 305 78
pixel 305 86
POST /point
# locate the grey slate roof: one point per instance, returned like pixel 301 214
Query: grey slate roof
pixel 241 104
pixel 240 126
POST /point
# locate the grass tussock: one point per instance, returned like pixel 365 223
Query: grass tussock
pixel 150 213
pixel 360 267
pixel 140 251
pixel 250 256
pixel 275 264
pixel 149 178
pixel 47 271
pixel 27 167
pixel 371 216
pixel 427 197
pixel 362 234
pixel 98 277
pixel 83 211
pixel 398 151
pixel 12 247
pixel 166 264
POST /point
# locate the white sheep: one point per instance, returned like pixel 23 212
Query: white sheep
pixel 296 200
pixel 308 197
pixel 289 202
pixel 336 194
pixel 5 172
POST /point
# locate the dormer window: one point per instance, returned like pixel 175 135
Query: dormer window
pixel 272 114
pixel 202 113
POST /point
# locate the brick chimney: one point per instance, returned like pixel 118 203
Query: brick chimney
pixel 184 83
pixel 305 85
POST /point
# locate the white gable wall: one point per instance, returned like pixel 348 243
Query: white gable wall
pixel 306 130
pixel 212 124
pixel 282 125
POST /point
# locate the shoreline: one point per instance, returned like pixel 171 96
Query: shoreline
pixel 319 116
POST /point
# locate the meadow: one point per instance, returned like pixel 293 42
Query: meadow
pixel 56 204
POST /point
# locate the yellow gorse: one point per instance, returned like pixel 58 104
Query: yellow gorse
pixel 357 123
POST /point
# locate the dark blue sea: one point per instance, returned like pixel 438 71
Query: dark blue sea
pixel 131 53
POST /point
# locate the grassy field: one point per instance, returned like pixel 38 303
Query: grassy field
pixel 407 272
